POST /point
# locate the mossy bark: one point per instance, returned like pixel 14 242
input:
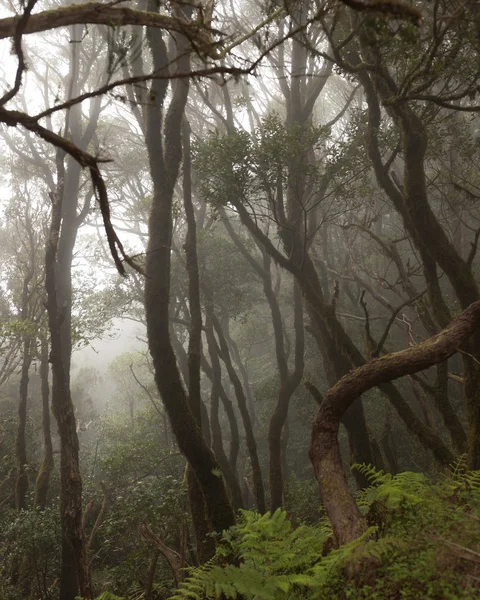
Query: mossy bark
pixel 324 451
pixel 164 145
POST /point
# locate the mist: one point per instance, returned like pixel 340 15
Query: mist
pixel 239 300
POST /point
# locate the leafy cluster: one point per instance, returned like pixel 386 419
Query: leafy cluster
pixel 275 561
pixel 415 528
pixel 30 542
pixel 251 167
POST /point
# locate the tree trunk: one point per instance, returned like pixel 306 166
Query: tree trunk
pixel 46 467
pixel 288 384
pixel 202 526
pixel 324 453
pixel 74 569
pixel 65 223
pixel 232 419
pixel 217 443
pixel 165 158
pixel 250 440
pixel 21 486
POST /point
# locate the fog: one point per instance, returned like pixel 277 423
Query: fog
pixel 239 299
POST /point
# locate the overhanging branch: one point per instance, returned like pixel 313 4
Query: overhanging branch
pixel 411 360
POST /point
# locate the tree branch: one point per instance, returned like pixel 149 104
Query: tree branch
pixel 411 360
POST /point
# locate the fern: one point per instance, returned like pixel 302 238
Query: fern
pixel 104 596
pixel 278 562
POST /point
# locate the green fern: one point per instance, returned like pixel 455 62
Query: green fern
pixel 278 562
pixel 104 596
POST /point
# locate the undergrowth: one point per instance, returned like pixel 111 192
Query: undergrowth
pixel 425 535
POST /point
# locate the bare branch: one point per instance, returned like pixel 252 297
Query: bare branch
pixel 12 118
pixel 101 14
pixel 379 347
pixel 411 360
pixel 20 27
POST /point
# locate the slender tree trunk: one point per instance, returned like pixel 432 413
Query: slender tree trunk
pixel 247 423
pixel 234 352
pixel 288 385
pixel 217 443
pixel 202 526
pixel 46 467
pixel 74 568
pixel 21 486
pixel 232 419
pixel 152 568
pixel 165 156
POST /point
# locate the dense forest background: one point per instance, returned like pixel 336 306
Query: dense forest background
pixel 263 218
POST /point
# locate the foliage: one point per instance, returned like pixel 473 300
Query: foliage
pixel 413 526
pixel 234 286
pixel 29 543
pixel 275 560
pixel 248 167
pixel 105 596
pixel 145 483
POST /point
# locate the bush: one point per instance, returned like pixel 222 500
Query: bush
pixel 425 536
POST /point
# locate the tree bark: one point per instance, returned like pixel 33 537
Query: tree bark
pixel 250 440
pixel 324 453
pixel 46 467
pixel 165 156
pixel 74 568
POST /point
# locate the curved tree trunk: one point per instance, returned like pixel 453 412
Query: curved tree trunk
pixel 346 519
pixel 165 156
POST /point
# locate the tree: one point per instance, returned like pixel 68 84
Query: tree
pixel 344 515
pixel 165 156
